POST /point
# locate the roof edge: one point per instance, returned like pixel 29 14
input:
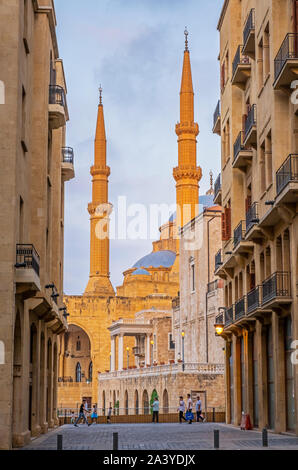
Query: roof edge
pixel 222 15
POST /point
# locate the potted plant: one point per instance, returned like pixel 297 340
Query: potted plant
pixel 171 361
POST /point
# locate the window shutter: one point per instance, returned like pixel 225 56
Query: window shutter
pixel 228 222
pixel 247 204
pixel 223 226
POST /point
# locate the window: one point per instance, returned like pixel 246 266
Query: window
pixel 266 52
pixel 78 347
pixel 23 138
pixel 268 160
pixel 25 29
pixel 262 168
pixel 78 373
pixel 90 371
pixel 226 224
pixel 171 342
pixel 260 64
pixel 193 278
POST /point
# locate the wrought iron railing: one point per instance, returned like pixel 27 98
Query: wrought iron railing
pixel 218 260
pixel 217 185
pixel 229 315
pixel 287 173
pixel 253 299
pixel 238 145
pixel 239 59
pixel 67 155
pixel 249 25
pixel 57 95
pixel 277 285
pixel 239 233
pixel 27 258
pixel 216 114
pixel 251 120
pixel 252 217
pixel 219 319
pixel 240 308
pixel 287 51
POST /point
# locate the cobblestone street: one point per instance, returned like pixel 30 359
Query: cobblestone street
pixel 159 437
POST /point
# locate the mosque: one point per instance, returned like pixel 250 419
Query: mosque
pixel 130 331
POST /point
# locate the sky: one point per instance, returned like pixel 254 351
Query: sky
pixel 134 49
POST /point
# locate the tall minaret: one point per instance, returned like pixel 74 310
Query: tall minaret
pixel 99 210
pixel 187 175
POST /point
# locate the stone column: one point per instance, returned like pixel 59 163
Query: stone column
pixel 237 380
pixel 279 374
pixel 120 352
pixel 113 353
pixel 147 350
pixel 228 381
pixel 262 376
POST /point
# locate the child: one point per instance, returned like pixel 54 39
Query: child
pixel 94 415
pixel 72 417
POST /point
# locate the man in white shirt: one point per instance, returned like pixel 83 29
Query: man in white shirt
pixel 199 410
pixel 181 409
pixel 189 406
pixel 155 410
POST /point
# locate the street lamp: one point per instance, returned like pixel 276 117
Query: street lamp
pixel 152 344
pixel 219 322
pixel 127 349
pixel 183 335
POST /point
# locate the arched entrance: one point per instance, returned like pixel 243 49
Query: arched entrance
pixel 33 379
pixel 49 382
pixel 136 402
pixel 17 375
pixel 165 401
pixel 126 403
pixel 145 403
pixel 77 351
pixel 103 403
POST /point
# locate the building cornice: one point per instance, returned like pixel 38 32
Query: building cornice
pixel 49 10
pixel 222 15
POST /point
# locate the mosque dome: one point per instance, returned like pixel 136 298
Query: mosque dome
pixel 157 259
pixel 140 272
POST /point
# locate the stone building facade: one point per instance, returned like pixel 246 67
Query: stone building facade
pixel 258 190
pixel 35 164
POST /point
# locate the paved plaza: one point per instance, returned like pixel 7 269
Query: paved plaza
pixel 197 436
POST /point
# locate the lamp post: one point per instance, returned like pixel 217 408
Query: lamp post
pixel 183 335
pixel 127 349
pixel 152 345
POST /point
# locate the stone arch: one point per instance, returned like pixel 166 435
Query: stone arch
pixel 49 381
pixel 77 349
pixel 33 364
pixel 126 404
pixel 165 401
pixel 55 381
pixel 104 402
pixel 42 384
pixel 136 401
pixel 145 400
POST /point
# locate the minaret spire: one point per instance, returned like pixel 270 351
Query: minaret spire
pixel 187 174
pixel 99 210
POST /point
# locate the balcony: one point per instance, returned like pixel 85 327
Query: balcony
pixel 253 300
pixel 253 231
pixel 176 303
pixel 57 107
pixel 27 271
pixel 217 120
pixel 249 46
pixel 276 289
pixel 229 316
pixel 67 164
pixel 250 131
pixel 218 260
pixel 240 244
pixel 240 309
pixel 241 69
pixel 287 180
pixel 217 191
pixel 242 154
pixel 286 62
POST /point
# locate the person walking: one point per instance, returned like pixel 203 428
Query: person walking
pixel 94 415
pixel 109 415
pixel 199 410
pixel 189 416
pixel 72 418
pixel 181 409
pixel 81 415
pixel 155 410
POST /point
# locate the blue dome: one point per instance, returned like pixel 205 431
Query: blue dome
pixel 164 258
pixel 140 272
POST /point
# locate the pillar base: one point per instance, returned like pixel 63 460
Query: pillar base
pixel 44 428
pixel 36 431
pixel 51 423
pixel 99 285
pixel 21 439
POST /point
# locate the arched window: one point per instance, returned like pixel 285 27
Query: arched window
pixel 78 373
pixel 136 402
pixel 165 400
pixel 90 371
pixel 78 344
pixel 145 403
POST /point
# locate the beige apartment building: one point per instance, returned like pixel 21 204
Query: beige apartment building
pixel 35 164
pixel 257 120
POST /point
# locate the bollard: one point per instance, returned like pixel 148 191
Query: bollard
pixel 213 415
pixel 115 441
pixel 216 439
pixel 265 437
pixel 59 442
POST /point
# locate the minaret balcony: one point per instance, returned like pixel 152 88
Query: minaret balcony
pixel 67 164
pixel 27 271
pixel 249 43
pixel 217 120
pixel 187 172
pixel 57 107
pixel 187 127
pixel 241 69
pixel 286 63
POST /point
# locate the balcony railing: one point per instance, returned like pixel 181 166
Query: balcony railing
pixel 176 302
pixel 249 26
pixel 212 286
pixel 240 308
pixel 27 258
pixel 239 59
pixel 218 260
pixel 277 285
pixel 57 95
pixel 252 217
pixel 229 315
pixel 251 120
pixel 216 114
pixel 287 173
pixel 67 155
pixel 217 186
pixel 253 299
pixel 219 319
pixel 238 145
pixel 239 233
pixel 287 51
